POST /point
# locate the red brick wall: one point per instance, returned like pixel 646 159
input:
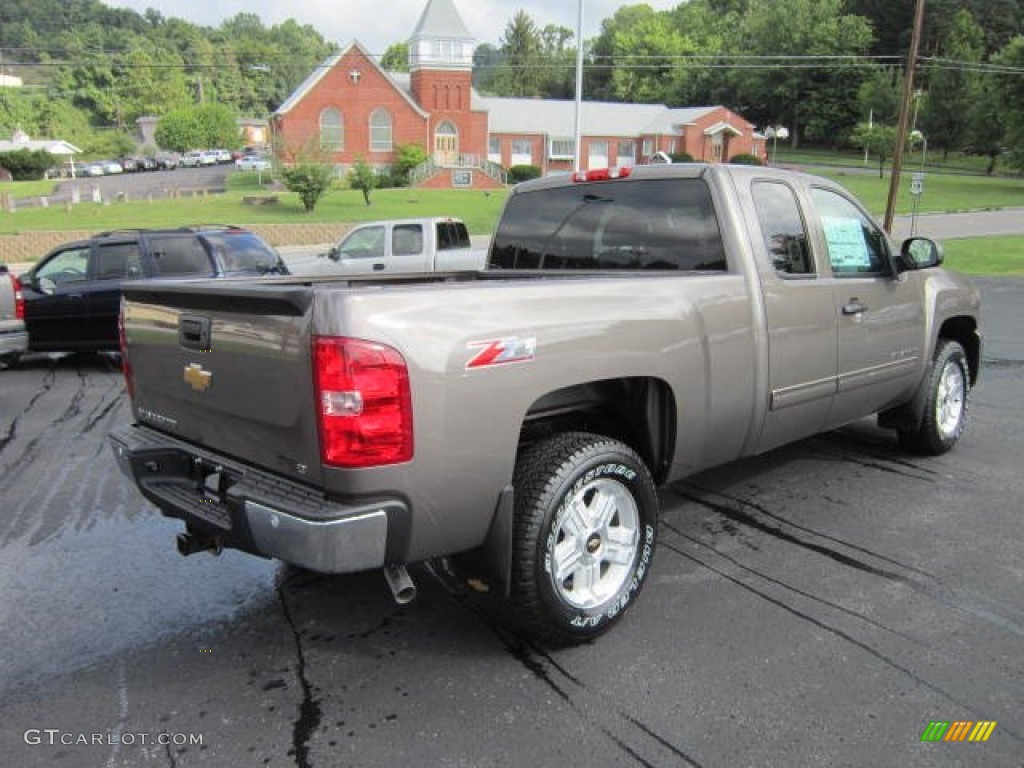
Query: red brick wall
pixel 446 95
pixel 356 101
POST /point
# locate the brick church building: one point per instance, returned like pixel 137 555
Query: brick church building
pixel 350 108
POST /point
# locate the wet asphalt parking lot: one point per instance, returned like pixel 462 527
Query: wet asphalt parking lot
pixel 816 606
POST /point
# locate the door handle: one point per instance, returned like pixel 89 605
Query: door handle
pixel 74 295
pixel 854 307
pixel 378 267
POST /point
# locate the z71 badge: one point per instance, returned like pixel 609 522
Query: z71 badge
pixel 502 351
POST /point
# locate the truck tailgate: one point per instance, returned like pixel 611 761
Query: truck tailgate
pixel 227 366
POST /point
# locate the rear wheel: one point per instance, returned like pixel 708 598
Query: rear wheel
pixel 947 391
pixel 10 359
pixel 585 526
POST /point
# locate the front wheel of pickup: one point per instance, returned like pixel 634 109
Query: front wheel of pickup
pixel 586 513
pixel 947 388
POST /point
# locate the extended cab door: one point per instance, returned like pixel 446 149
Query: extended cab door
pixel 880 316
pixel 800 315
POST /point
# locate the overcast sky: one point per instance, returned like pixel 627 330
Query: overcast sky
pixel 379 23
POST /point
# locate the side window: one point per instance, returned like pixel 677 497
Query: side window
pixel 407 239
pixel 366 243
pixel 855 245
pixel 444 237
pixel 782 226
pixel 70 266
pixel 179 256
pixel 118 261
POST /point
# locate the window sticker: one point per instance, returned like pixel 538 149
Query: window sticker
pixel 847 248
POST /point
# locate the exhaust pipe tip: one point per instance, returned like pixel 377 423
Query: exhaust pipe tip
pixel 403 590
pixel 190 544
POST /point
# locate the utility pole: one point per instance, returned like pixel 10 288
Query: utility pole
pixel 901 128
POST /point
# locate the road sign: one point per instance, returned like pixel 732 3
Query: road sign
pixel 917 184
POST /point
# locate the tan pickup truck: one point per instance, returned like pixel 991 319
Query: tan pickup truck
pixel 633 327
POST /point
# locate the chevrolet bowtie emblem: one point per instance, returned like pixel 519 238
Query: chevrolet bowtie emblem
pixel 197 378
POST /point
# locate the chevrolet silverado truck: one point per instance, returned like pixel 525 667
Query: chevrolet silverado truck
pixel 633 327
pixel 400 245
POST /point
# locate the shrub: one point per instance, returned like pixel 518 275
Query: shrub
pixel 27 165
pixel 361 176
pixel 518 173
pixel 745 159
pixel 406 159
pixel 309 181
pixel 681 157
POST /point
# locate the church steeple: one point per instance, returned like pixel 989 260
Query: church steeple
pixel 441 40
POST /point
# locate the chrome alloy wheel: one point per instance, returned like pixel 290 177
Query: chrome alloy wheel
pixel 596 541
pixel 949 405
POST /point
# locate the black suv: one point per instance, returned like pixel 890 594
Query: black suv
pixel 73 294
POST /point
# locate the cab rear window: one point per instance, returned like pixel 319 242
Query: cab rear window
pixel 651 224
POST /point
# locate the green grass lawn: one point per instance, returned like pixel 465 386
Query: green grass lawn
pixel 989 256
pixel 480 210
pixel 27 188
pixel 943 193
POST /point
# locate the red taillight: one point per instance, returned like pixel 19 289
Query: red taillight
pixel 126 364
pixel 19 298
pixel 363 401
pixel 601 174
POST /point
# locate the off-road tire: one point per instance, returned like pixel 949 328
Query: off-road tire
pixel 585 526
pixel 947 394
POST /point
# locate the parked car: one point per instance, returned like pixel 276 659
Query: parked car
pixel 129 164
pixel 167 161
pixel 401 245
pixel 252 163
pixel 147 164
pixel 72 295
pixel 209 157
pixel 13 335
pixel 223 156
pixel 112 167
pixel 633 327
pixel 93 169
pixel 192 159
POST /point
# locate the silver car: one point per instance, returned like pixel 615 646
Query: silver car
pixel 13 336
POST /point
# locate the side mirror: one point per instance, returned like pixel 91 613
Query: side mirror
pixel 45 285
pixel 920 253
pixel 333 253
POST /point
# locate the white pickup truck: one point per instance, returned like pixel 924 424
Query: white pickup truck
pixel 401 245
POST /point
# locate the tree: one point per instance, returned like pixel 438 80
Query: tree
pixel 879 139
pixel 986 130
pixel 309 180
pixel 639 50
pixel 879 95
pixel 396 58
pixel 820 102
pixel 407 157
pixel 362 177
pixel 204 125
pixel 945 120
pixel 521 50
pixel 1010 92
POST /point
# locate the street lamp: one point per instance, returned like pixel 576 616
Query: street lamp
pixel 917 181
pixel 776 132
